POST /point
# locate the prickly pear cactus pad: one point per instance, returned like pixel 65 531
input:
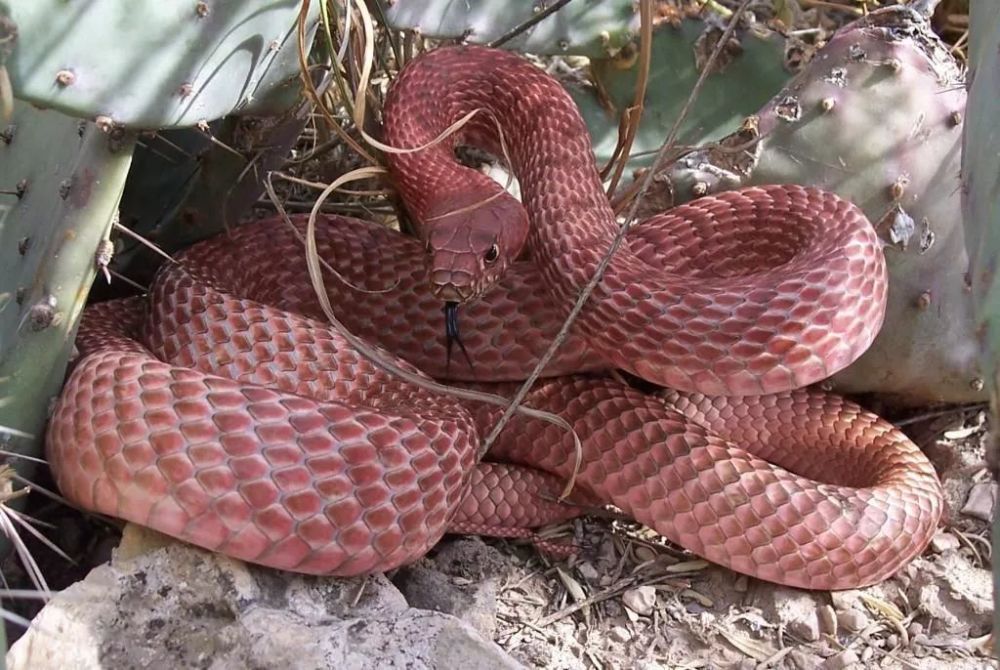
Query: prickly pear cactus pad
pixel 981 207
pixel 154 64
pixel 749 74
pixel 185 186
pixel 981 182
pixel 596 28
pixel 877 117
pixel 60 182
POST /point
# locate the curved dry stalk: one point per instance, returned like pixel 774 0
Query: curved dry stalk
pixel 316 276
pixel 276 201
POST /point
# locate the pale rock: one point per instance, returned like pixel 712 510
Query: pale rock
pixel 162 604
pixel 842 661
pixel 943 541
pixel 797 610
pixel 620 634
pixel 853 620
pixel 957 594
pixel 461 578
pixel 827 620
pixel 981 501
pixel 640 600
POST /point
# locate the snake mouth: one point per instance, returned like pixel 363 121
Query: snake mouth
pixel 451 293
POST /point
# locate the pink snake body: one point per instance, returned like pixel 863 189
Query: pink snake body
pixel 219 412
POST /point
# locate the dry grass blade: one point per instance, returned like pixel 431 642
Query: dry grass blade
pixel 23 521
pixel 633 115
pixel 14 618
pixel 14 432
pixel 882 607
pixel 367 60
pixel 319 186
pixel 6 96
pixel 622 231
pixel 276 201
pixel 310 89
pixel 746 644
pixel 359 109
pixel 14 454
pixel 611 592
pixel 687 566
pixel 28 561
pixel 24 594
pixel 393 43
pixel 575 591
pixel 316 276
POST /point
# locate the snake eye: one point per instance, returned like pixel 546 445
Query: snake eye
pixel 492 254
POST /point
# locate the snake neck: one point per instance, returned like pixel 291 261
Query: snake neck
pixel 521 114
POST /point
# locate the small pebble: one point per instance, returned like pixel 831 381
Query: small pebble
pixel 845 600
pixel 644 554
pixel 807 629
pixel 915 629
pixel 640 600
pixel 853 620
pixel 980 502
pixel 841 661
pixel 943 541
pixel 588 571
pixel 620 634
pixel 892 641
pixel 827 618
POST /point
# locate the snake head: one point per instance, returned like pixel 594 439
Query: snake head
pixel 472 242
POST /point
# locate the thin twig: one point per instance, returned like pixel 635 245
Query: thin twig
pixel 388 33
pixel 935 413
pixel 633 114
pixel 622 232
pixel 537 18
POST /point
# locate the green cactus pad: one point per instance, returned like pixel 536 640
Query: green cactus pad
pixel 981 206
pixel 876 117
pixel 744 82
pixel 62 179
pixel 981 181
pixel 595 28
pixel 152 64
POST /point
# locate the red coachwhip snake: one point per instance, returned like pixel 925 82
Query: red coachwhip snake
pixel 212 411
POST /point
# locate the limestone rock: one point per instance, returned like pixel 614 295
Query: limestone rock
pixel 461 578
pixel 164 604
